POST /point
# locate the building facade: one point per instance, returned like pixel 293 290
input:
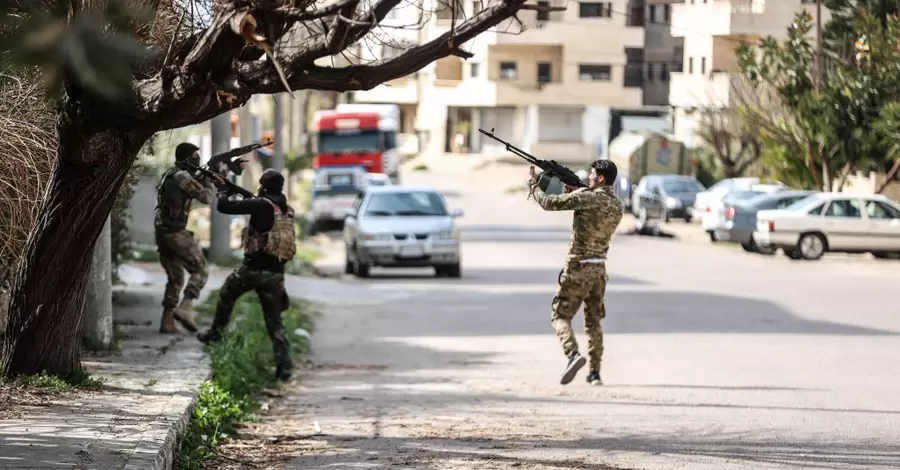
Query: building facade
pixel 711 31
pixel 552 89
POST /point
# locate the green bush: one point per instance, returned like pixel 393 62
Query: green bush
pixel 243 364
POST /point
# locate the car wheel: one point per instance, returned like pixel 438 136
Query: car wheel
pixel 360 269
pixel 665 216
pixel 712 236
pixel 348 263
pixel 812 246
pixel 454 271
pixel 791 253
pixel 748 247
pixel 688 219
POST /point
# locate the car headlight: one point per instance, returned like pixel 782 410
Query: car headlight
pixel 375 236
pixel 446 235
pixel 672 202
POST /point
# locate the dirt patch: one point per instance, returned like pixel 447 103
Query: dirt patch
pixel 17 400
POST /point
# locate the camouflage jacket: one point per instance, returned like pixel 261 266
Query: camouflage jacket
pixel 597 214
pixel 174 194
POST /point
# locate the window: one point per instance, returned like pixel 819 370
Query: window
pixel 817 210
pixel 667 12
pixel 651 13
pixel 843 208
pixel 787 201
pixel 703 65
pixel 650 72
pixel 414 203
pixel 508 71
pixel 595 9
pixel 690 65
pixel 544 72
pixel 664 73
pixel 445 9
pixel 543 15
pixel 881 211
pixel 594 72
pixel 474 69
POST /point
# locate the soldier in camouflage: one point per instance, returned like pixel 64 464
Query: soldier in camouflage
pixel 583 279
pixel 268 242
pixel 178 250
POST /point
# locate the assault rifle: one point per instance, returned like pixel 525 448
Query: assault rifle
pixel 231 160
pixel 548 167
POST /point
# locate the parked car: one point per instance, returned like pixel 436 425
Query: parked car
pixel 401 226
pixel 740 216
pixel 832 222
pixel 714 218
pixel 378 179
pixel 665 197
pixel 717 191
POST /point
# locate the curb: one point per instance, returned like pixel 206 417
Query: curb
pixel 156 447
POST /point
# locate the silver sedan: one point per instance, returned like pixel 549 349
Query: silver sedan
pixel 401 226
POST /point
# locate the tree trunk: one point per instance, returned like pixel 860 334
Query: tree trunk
pixel 888 178
pixel 48 291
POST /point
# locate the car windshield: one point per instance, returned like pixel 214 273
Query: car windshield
pixel 406 204
pixel 802 202
pixel 682 186
pixel 742 195
pixel 357 142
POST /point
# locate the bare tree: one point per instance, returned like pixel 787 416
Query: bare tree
pixel 734 142
pixel 213 56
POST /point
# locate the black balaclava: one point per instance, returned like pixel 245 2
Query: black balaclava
pixel 271 182
pixel 184 152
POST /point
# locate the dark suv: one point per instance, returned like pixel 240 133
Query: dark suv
pixel 665 197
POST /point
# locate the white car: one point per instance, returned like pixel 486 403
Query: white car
pixel 378 179
pixel 715 218
pixel 717 191
pixel 835 222
pixel 402 226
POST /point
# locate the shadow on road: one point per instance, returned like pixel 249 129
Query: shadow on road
pixel 488 276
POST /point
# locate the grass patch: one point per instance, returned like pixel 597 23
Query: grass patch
pixel 54 384
pixel 302 264
pixel 420 167
pixel 242 365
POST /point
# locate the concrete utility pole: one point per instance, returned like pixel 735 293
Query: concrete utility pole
pixel 245 131
pixel 278 133
pixel 219 224
pixel 97 326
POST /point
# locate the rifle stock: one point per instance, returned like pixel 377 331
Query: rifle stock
pixel 550 167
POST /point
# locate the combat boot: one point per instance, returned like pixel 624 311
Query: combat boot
pixel 576 362
pixel 593 378
pixel 167 324
pixel 186 316
pixel 209 336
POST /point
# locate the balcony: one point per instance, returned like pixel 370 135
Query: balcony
pixel 700 91
pixel 737 17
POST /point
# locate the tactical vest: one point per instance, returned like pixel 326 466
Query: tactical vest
pixel 173 204
pixel 279 241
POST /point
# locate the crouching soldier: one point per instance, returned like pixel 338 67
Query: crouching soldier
pixel 268 243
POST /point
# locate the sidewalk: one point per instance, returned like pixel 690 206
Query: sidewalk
pixel 133 421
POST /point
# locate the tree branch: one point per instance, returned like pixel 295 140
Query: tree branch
pixel 889 177
pixel 365 77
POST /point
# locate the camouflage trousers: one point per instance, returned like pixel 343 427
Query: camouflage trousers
pixel 180 252
pixel 269 287
pixel 581 283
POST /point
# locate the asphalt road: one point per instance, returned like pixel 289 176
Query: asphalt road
pixel 715 359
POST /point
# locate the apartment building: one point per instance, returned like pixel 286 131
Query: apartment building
pixel 556 89
pixel 711 31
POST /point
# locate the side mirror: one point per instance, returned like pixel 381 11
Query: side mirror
pixel 456 213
